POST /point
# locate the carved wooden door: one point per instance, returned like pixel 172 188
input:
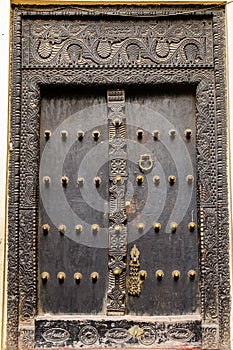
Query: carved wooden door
pixel 118 206
pixel 118 231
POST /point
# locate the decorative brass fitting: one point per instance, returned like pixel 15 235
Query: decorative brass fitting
pixel 45 276
pixel 64 181
pixel 189 178
pixel 192 274
pixel 80 134
pixel 117 121
pixel 94 276
pixel 157 227
pixel 116 271
pixel 45 228
pixel 140 226
pixel 96 135
pixel 159 274
pixel 64 134
pixel 155 134
pixel 46 180
pixel 140 179
pixel 95 228
pixel 79 228
pixel 142 274
pixel 61 276
pixel 118 178
pixel 47 134
pixel 62 229
pixel 97 181
pixel 156 179
pixel 139 133
pixel 117 228
pixel 80 181
pixel 191 226
pixel 188 133
pixel 77 277
pixel 173 226
pixel 172 179
pixel 176 275
pixel 172 133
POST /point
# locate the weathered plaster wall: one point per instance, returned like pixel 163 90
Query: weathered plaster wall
pixel 4 146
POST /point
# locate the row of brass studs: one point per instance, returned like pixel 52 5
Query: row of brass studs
pixel 139 134
pixel 97 180
pixel 156 133
pixel 80 134
pixel 159 274
pixel 61 276
pixel 95 228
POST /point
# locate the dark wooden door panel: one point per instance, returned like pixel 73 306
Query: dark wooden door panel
pixel 162 112
pixel 78 249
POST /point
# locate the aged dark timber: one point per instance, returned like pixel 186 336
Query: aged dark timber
pixel 118 213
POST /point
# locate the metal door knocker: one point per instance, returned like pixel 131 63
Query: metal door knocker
pixel 145 163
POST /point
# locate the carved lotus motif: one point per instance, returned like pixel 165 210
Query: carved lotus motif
pixel 104 48
pixel 75 53
pixel 56 335
pixel 180 334
pixel 191 52
pixel 45 49
pixel 162 49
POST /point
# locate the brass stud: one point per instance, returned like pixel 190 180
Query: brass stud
pixel 141 226
pixel 118 178
pixel 45 228
pixel 127 204
pixel 116 271
pixel 192 274
pixel 96 135
pixel 45 276
pixel 64 181
pixel 159 274
pixel 142 274
pixel 95 228
pixel 47 134
pixel 97 181
pixel 189 178
pixel 46 180
pixel 117 228
pixel 62 229
pixel 140 179
pixel 64 134
pixel 191 226
pixel 173 226
pixel 156 179
pixel 94 276
pixel 188 133
pixel 61 276
pixel 79 228
pixel 155 134
pixel 172 179
pixel 157 227
pixel 172 133
pixel 80 181
pixel 140 134
pixel 80 134
pixel 176 275
pixel 77 277
pixel 117 121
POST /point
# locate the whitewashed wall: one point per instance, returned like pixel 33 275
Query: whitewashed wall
pixel 4 88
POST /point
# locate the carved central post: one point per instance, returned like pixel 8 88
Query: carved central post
pixel 117 214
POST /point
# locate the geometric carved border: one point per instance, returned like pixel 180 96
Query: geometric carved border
pixel 207 77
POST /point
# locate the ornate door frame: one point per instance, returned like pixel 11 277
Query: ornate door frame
pixel 30 72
